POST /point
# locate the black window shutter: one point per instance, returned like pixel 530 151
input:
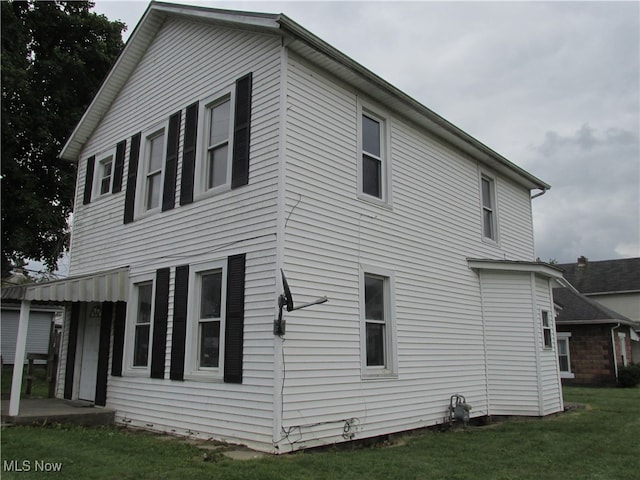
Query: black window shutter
pixel 241 131
pixel 132 177
pixel 103 354
pixel 179 333
pixel 88 179
pixel 234 333
pixel 118 339
pixel 71 350
pixel 119 167
pixel 189 154
pixel 160 315
pixel 171 163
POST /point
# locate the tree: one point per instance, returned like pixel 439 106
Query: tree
pixel 55 56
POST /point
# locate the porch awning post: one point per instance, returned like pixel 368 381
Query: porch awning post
pixel 18 362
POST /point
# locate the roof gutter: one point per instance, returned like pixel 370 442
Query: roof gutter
pixel 540 193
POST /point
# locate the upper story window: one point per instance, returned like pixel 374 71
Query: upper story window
pixel 153 169
pixel 489 224
pixel 217 168
pixel 378 326
pixel 374 157
pixel 105 174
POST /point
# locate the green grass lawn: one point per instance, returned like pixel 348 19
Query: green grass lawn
pixel 600 441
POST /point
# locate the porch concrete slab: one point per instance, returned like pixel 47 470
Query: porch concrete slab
pixel 53 410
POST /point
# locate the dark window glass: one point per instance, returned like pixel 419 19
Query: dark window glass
pixel 374 297
pixel 371 176
pixel 370 136
pixel 375 344
pixel 141 346
pixel 211 293
pixel 209 344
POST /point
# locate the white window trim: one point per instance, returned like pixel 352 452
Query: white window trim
pixel 384 118
pixel 483 174
pixel 143 166
pixel 191 370
pixel 130 331
pixel 390 370
pixel 564 337
pixel 200 185
pixel 97 173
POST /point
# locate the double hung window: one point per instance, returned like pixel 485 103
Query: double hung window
pixel 143 316
pixel 218 154
pixel 547 334
pixel 207 315
pixel 374 168
pixel 564 355
pixel 154 161
pixel 105 174
pixel 377 328
pixel 488 207
pixel 210 319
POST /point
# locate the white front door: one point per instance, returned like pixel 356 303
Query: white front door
pixel 89 362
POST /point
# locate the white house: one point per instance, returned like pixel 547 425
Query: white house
pixel 224 147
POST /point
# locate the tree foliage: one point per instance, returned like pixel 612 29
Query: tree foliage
pixel 54 58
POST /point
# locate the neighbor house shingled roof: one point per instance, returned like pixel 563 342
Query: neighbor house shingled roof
pixel 576 308
pixel 606 276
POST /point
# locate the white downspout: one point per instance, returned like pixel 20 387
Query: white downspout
pixel 18 361
pixel 613 345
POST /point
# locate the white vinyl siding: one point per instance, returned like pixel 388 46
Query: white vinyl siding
pixel 168 79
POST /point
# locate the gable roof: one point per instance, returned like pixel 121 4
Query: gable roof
pixel 578 309
pixel 606 276
pixel 302 42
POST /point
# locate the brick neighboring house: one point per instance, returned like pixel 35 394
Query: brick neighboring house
pixel 597 325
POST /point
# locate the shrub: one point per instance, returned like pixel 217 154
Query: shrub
pixel 629 376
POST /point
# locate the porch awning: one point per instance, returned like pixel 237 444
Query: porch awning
pixel 107 286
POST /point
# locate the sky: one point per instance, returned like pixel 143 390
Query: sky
pixel 552 86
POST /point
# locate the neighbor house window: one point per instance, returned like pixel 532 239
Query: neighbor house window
pixel 488 207
pixel 154 161
pixel 546 330
pixel 623 348
pixel 374 162
pixel 377 322
pixel 564 356
pixel 142 328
